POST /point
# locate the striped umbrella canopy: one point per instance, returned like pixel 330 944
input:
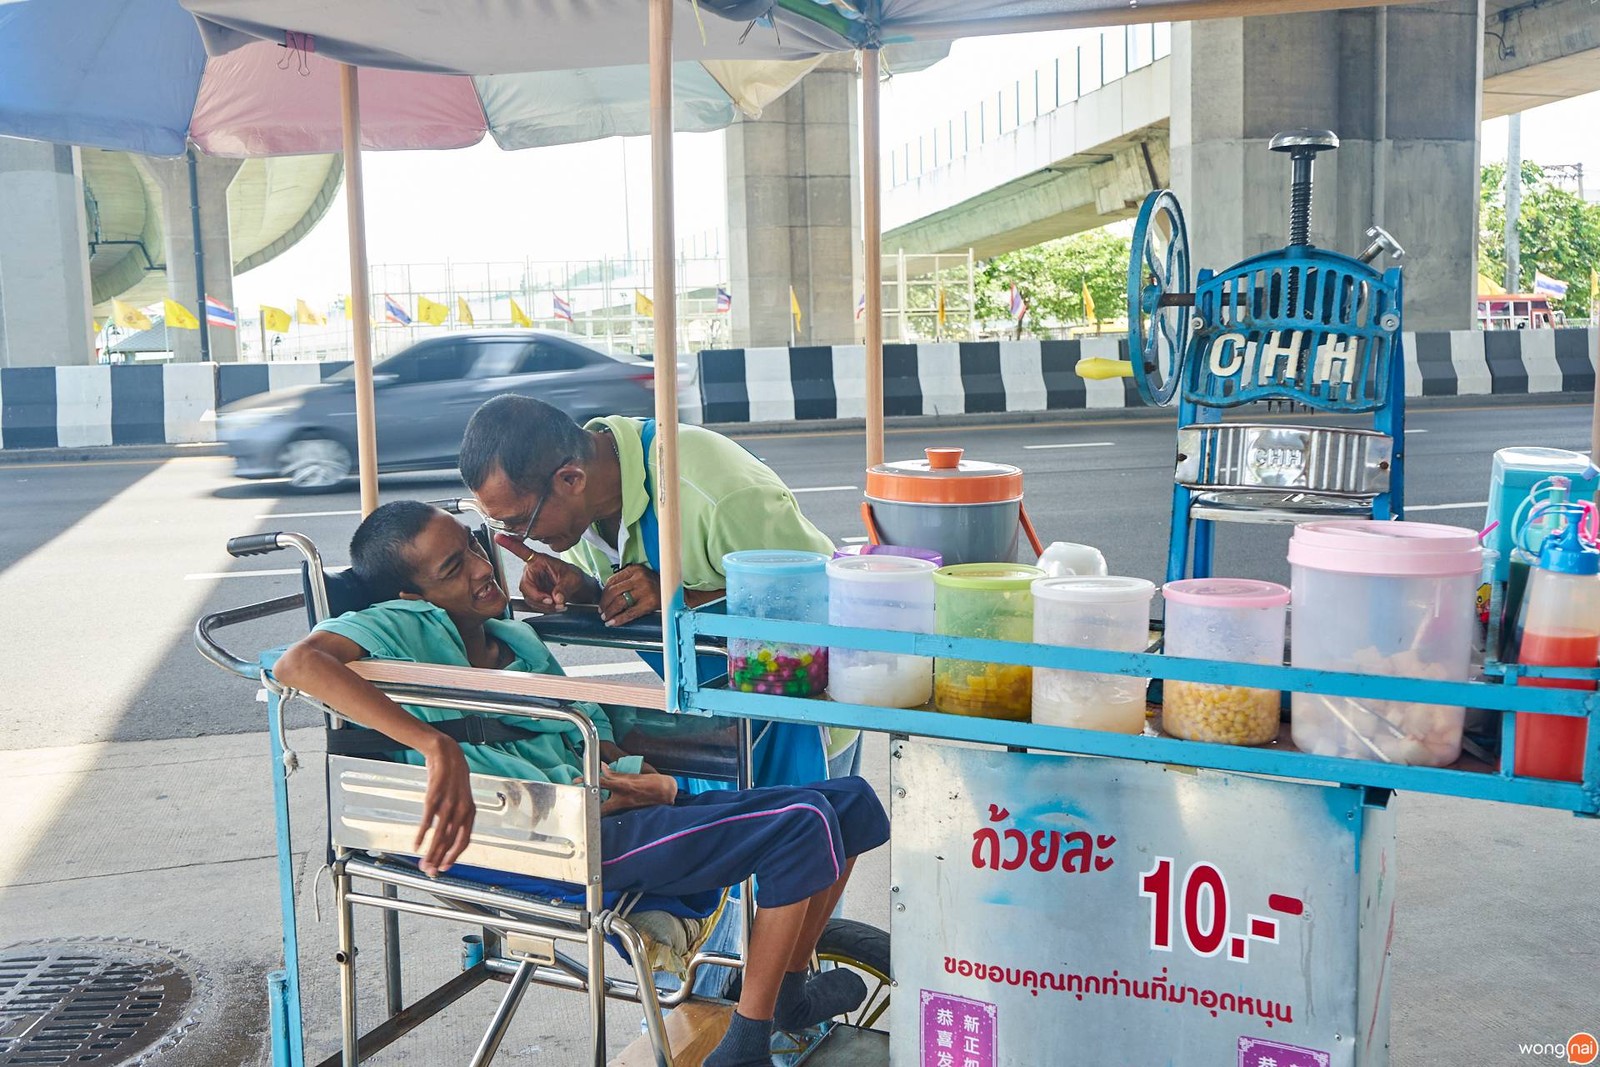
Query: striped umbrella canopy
pixel 133 75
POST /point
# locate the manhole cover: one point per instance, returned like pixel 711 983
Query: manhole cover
pixel 93 1002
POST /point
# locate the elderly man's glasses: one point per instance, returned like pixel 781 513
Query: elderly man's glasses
pixel 498 526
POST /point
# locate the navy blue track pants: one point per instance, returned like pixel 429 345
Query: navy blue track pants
pixel 794 840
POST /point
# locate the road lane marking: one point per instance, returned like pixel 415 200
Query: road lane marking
pixel 826 489
pixel 1076 444
pixel 601 670
pixel 1411 430
pixel 239 574
pixel 1448 507
pixel 852 540
pixel 304 515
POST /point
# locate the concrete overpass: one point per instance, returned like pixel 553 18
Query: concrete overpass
pixel 1047 157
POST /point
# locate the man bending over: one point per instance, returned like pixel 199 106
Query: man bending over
pixel 437 601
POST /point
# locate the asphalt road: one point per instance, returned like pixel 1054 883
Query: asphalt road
pixel 105 566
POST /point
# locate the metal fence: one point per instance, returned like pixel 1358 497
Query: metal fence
pixel 1087 68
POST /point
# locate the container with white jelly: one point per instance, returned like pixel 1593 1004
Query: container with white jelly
pixel 984 600
pixel 1389 598
pixel 1239 620
pixel 880 592
pixel 777 584
pixel 1109 613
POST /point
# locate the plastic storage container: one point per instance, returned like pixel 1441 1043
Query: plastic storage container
pixel 1064 559
pixel 1562 629
pixel 880 593
pixel 890 550
pixel 968 511
pixel 984 600
pixel 1388 598
pixel 775 584
pixel 1091 612
pixel 1234 619
pixel 1513 475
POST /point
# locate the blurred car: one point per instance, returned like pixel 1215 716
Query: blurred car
pixel 424 397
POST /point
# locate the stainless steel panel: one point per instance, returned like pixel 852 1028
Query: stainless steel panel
pixel 1318 460
pixel 522 827
pixel 1057 909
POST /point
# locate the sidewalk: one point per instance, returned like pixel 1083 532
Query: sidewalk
pixel 171 841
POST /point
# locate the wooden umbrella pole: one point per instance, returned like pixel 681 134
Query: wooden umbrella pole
pixel 359 309
pixel 666 317
pixel 872 232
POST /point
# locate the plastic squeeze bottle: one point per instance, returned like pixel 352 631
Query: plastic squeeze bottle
pixel 1562 629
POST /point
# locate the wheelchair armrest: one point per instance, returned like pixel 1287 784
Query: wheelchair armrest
pixel 580 624
pixel 694 746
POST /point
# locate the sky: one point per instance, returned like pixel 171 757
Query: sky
pixel 588 201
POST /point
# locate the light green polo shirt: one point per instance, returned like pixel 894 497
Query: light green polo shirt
pixel 729 501
pixel 414 631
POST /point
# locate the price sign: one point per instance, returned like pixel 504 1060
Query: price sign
pixel 1107 912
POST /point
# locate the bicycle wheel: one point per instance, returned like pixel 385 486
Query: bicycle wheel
pixel 864 949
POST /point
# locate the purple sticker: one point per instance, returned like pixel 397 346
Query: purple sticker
pixel 957 1032
pixel 1259 1052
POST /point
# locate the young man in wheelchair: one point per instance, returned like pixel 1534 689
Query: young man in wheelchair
pixel 436 600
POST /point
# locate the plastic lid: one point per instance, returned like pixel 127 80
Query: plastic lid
pixel 1386 549
pixel 773 563
pixel 992 577
pixel 943 477
pixel 1565 553
pixel 1535 458
pixel 880 568
pixel 1088 589
pixel 1226 593
pixel 851 551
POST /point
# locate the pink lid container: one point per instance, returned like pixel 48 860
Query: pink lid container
pixel 1226 593
pixel 1386 549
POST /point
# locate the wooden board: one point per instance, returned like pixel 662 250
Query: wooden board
pixel 693 1030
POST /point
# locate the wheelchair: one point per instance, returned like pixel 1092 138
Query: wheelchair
pixel 544 918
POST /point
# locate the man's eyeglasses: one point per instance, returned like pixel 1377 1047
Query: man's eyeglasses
pixel 499 526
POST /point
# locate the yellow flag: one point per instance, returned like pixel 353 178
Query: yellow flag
pixel 520 317
pixel 178 317
pixel 463 312
pixel 643 305
pixel 128 317
pixel 97 326
pixel 794 307
pixel 305 316
pixel 1594 287
pixel 275 319
pixel 1088 303
pixel 941 307
pixel 431 313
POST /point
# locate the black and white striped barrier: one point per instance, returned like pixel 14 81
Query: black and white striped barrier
pixel 69 407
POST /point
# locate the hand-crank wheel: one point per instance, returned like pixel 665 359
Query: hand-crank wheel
pixel 1159 329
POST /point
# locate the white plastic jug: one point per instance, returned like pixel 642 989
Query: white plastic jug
pixel 1065 559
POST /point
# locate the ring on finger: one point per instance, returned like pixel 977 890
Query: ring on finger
pixel 627 597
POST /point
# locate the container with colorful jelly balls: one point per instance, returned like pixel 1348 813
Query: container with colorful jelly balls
pixel 779 669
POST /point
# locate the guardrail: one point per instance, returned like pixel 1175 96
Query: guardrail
pixel 1089 67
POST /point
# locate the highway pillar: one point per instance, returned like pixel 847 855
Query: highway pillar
pixel 44 257
pixel 794 214
pixel 1401 87
pixel 213 175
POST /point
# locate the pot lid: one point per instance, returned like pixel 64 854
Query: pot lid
pixel 943 477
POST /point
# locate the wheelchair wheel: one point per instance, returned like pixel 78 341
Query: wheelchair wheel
pixel 865 950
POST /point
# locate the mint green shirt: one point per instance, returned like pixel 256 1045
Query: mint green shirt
pixel 729 501
pixel 414 631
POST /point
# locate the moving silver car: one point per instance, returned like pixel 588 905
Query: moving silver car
pixel 424 397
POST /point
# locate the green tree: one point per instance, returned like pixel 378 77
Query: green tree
pixel 1051 277
pixel 1558 231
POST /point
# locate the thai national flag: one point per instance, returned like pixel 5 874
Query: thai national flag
pixel 393 312
pixel 563 309
pixel 724 301
pixel 220 314
pixel 861 306
pixel 1019 307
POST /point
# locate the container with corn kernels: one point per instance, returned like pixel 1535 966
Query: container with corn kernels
pixel 1234 619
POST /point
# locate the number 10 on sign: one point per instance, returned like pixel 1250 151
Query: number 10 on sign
pixel 1198 904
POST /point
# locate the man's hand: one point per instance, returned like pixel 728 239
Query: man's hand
pixel 629 791
pixel 631 593
pixel 447 807
pixel 548 583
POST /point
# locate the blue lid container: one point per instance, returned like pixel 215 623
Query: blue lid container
pixel 1514 473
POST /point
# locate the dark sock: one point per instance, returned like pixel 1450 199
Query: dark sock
pixel 746 1044
pixel 804 1002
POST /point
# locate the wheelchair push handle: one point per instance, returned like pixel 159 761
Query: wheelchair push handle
pixel 255 544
